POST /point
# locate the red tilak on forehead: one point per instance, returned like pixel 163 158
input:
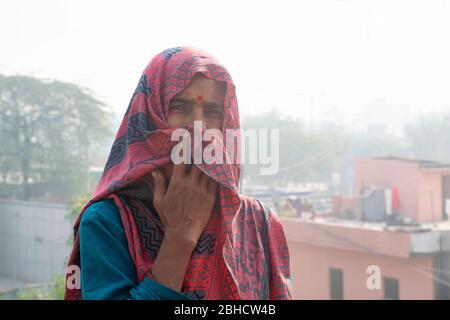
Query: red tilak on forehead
pixel 199 98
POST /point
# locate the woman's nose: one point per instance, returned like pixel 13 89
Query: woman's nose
pixel 198 115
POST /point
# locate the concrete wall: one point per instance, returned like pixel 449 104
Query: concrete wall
pixel 32 240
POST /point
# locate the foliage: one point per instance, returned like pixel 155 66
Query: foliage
pixel 312 156
pixel 74 209
pixel 303 155
pixel 50 132
pixel 51 291
pixel 76 205
pixel 429 137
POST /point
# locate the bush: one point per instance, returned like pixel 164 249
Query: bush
pixel 52 291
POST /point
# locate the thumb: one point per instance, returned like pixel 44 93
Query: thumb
pixel 160 186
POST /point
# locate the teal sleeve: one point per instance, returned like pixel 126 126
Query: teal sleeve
pixel 107 270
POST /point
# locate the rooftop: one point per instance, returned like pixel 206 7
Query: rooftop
pixel 379 226
pixel 370 237
pixel 426 164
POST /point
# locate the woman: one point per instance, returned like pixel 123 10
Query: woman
pixel 155 230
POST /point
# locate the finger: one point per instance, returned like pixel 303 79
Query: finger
pixel 160 185
pixel 178 172
pixel 204 178
pixel 212 186
pixel 195 174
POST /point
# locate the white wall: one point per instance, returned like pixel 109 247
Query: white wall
pixel 33 240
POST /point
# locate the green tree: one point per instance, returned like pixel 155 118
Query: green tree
pixel 429 137
pixel 52 291
pixel 303 155
pixel 312 156
pixel 50 131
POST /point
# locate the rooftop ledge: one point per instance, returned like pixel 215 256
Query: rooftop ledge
pixel 369 237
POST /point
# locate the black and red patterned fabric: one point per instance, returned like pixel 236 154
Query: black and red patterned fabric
pixel 242 253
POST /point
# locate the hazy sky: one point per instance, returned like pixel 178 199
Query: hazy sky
pixel 325 58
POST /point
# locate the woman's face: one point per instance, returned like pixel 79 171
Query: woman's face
pixel 201 100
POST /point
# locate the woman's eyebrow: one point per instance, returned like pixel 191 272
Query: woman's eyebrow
pixel 209 105
pixel 213 105
pixel 182 100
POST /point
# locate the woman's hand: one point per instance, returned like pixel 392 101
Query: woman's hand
pixel 184 208
pixel 185 205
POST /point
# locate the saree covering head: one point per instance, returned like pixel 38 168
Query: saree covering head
pixel 242 252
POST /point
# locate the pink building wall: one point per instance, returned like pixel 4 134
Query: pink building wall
pixel 386 174
pixel 310 272
pixel 348 237
pixel 420 190
pixel 430 206
pixel 317 245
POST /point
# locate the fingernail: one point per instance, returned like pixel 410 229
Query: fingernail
pixel 153 174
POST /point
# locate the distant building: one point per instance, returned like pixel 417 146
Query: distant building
pixel 390 240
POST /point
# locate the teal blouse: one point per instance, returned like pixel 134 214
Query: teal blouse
pixel 107 270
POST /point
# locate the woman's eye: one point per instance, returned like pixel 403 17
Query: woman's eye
pixel 215 113
pixel 177 108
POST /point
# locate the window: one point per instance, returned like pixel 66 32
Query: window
pixel 391 289
pixel 336 284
